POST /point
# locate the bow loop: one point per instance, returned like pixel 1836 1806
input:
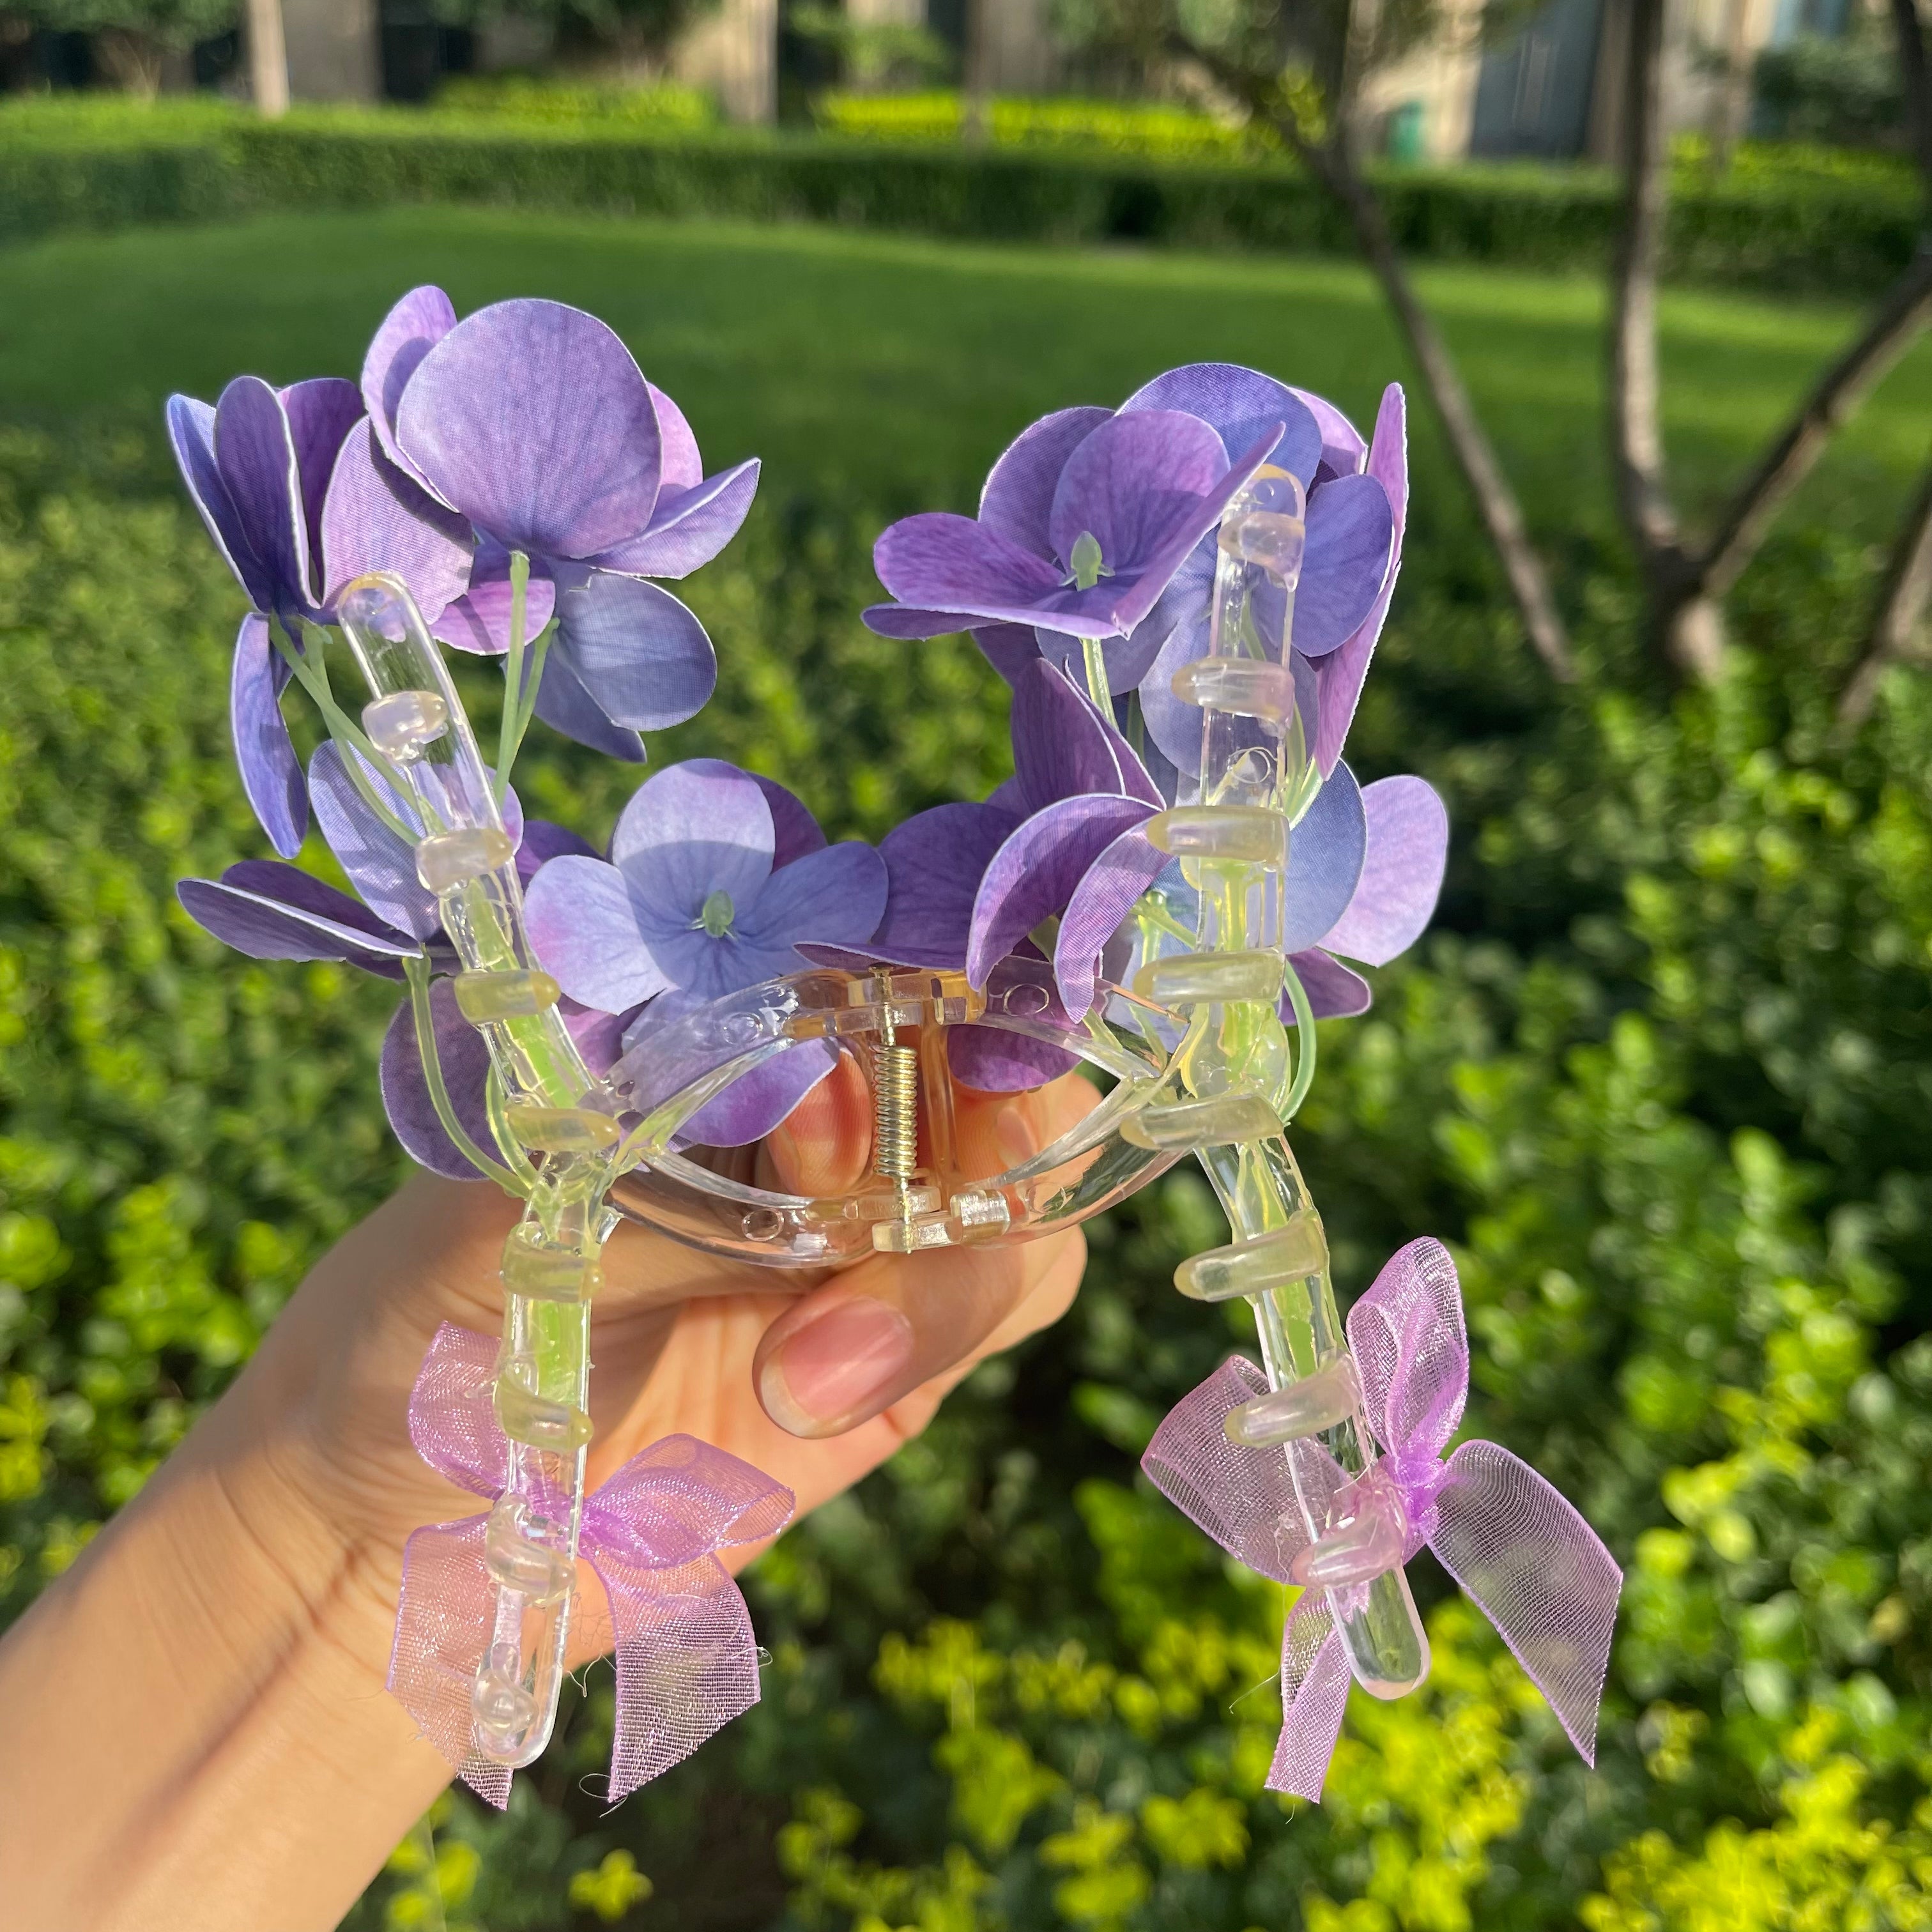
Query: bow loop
pixel 452 1413
pixel 682 1499
pixel 1412 1351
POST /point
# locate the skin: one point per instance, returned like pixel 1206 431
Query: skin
pixel 197 1732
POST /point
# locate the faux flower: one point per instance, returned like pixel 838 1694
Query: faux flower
pixel 1357 500
pixel 716 877
pixel 1082 524
pixel 532 419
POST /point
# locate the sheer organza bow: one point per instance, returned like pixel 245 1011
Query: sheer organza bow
pixel 1533 1566
pixel 687 1664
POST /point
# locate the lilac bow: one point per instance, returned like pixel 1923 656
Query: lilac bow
pixel 1533 1566
pixel 686 1662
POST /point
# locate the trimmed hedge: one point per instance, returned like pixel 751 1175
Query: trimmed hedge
pixel 1795 235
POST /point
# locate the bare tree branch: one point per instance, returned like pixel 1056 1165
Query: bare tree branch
pixel 1900 611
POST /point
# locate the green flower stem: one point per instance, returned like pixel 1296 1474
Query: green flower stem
pixel 510 732
pixel 1094 653
pixel 416 967
pixel 539 652
pixel 1304 1041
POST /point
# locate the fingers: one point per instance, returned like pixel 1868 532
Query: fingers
pixel 848 1350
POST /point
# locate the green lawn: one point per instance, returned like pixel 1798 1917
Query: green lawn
pixel 902 366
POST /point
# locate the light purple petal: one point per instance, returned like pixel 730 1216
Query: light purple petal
pixel 688 527
pixel 1333 992
pixel 692 829
pixel 1343 672
pixel 836 897
pixel 1127 482
pixel 321 412
pixel 1106 892
pixel 1018 499
pixel 1408 848
pixel 1239 403
pixel 408 333
pixel 270 911
pixel 1343 447
pixel 478 622
pixel 1174 724
pixel 940 562
pixel 583 923
pixel 1035 872
pixel 380 866
pixel 991 1061
pixel 683 467
pixel 532 419
pixel 747 1110
pixel 465 1064
pixel 794 831
pixel 191 431
pixel 271 773
pixel 1351 527
pixel 903 621
pixel 1325 860
pixel 256 454
pixel 565 705
pixel 1061 745
pixel 643 658
pixel 376 518
pixel 544 841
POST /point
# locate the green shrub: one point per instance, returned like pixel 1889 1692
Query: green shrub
pixel 665 105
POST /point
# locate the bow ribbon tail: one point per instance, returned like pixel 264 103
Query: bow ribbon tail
pixel 443 1629
pixel 1538 1572
pixel 1314 1694
pixel 687 1664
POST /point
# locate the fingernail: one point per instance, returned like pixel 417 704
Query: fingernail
pixel 838 1369
pixel 1014 1134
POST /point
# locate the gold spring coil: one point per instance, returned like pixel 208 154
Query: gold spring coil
pixel 895 1118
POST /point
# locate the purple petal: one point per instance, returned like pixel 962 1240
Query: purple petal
pixel 1324 861
pixel 599 1036
pixel 256 453
pixel 748 1109
pixel 1128 481
pixel 692 829
pixel 1343 447
pixel 191 431
pixel 1061 745
pixel 583 923
pixel 376 518
pixel 478 622
pixel 1105 894
pixel 321 413
pixel 794 831
pixel 688 527
pixel 1239 403
pixel 1009 648
pixel 1035 872
pixel 1334 993
pixel 1343 672
pixel 380 866
pixel 836 897
pixel 465 1064
pixel 1018 499
pixel 991 1061
pixel 1128 658
pixel 1408 848
pixel 270 911
pixel 543 841
pixel 683 467
pixel 1351 527
pixel 643 657
pixel 903 621
pixel 409 332
pixel 271 773
pixel 940 562
pixel 565 705
pixel 1174 724
pixel 532 419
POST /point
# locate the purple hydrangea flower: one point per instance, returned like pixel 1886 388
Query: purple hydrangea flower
pixel 298 501
pixel 532 420
pixel 714 879
pixel 1082 524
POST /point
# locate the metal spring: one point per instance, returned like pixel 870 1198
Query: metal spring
pixel 896 1119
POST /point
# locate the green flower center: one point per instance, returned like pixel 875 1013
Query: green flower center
pixel 1088 568
pixel 717 914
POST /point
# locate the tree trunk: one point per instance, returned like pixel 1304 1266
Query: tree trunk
pixel 1469 443
pixel 976 119
pixel 268 58
pixel 1732 103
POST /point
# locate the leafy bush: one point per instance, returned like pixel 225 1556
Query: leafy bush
pixel 1661 1076
pixel 1156 129
pixel 666 105
pixel 1795 230
pixel 1843 90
